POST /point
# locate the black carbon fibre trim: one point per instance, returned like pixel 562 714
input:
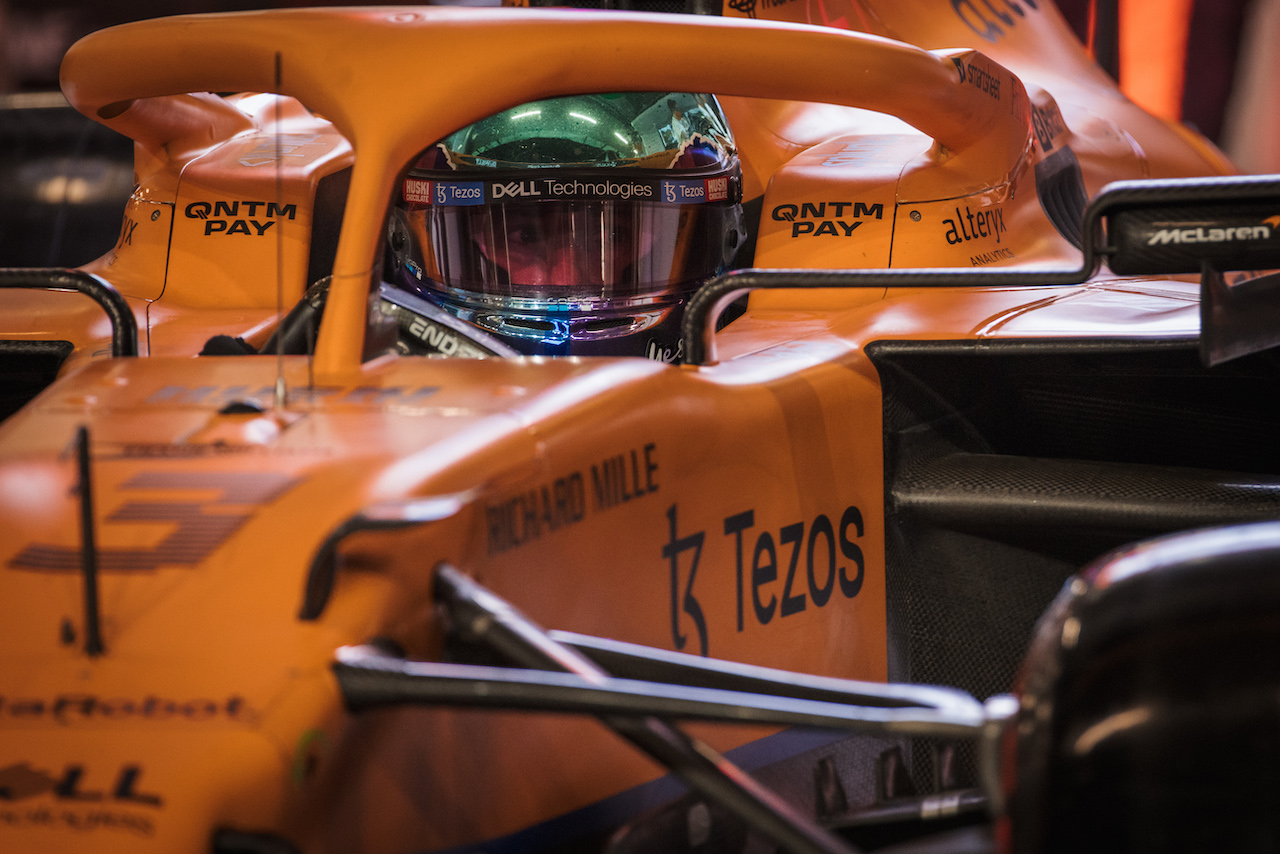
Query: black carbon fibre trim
pixel 1179 238
pixel 124 327
pixel 1060 187
pixel 986 493
pixel 1010 464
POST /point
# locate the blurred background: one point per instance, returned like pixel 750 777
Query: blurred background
pixel 1210 63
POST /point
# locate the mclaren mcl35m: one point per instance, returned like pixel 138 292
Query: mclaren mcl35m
pixel 557 430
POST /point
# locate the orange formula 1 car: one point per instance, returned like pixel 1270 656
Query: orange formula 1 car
pixel 335 520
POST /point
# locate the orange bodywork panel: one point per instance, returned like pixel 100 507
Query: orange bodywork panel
pixel 977 113
pixel 734 510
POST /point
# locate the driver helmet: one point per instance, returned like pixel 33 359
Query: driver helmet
pixel 576 225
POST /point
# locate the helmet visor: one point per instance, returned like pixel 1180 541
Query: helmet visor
pixel 572 254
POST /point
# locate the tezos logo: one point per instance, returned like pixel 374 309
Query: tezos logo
pixel 459 193
pixel 692 191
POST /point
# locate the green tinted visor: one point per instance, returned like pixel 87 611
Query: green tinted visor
pixel 658 130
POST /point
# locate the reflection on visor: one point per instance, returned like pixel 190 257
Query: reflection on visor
pixel 582 251
pixel 542 246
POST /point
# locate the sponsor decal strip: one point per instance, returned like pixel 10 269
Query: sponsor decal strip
pixel 830 218
pixel 1201 234
pixel 972 225
pixel 76 783
pixel 1048 125
pixel 671 191
pixel 66 709
pixel 775 581
pixel 238 217
pixel 779 571
pixel 980 78
pixel 543 509
pixel 993 19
